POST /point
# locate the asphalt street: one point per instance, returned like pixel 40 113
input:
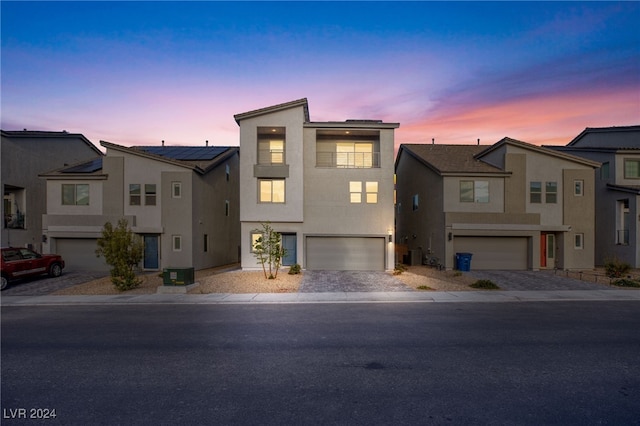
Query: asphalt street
pixel 391 363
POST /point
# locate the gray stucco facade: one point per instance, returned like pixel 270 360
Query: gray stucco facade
pixel 25 154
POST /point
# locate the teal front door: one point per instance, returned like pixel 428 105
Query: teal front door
pixel 289 244
pixel 151 252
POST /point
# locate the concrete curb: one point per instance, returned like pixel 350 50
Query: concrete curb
pixel 337 297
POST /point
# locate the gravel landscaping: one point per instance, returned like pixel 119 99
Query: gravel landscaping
pixel 221 280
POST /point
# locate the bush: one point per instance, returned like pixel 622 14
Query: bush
pixel 294 269
pixel 616 268
pixel 123 251
pixel 424 287
pixel 400 268
pixel 485 285
pixel 626 283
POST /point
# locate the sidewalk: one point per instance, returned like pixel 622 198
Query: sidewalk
pixel 336 297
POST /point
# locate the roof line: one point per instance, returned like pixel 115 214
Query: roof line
pixel 49 134
pixel 279 107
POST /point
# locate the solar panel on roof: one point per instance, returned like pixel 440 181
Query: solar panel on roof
pixel 185 153
pixel 88 167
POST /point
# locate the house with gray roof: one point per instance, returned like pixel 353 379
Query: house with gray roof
pixel 511 205
pixel 327 187
pixel 25 154
pixel 182 200
pixel 617 189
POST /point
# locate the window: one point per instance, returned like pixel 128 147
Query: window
pixel 227 171
pixel 206 243
pixel 415 202
pixel 372 192
pixel 355 191
pixel 551 192
pixel 134 194
pixel 622 222
pixel 75 194
pixel 474 191
pixel 354 154
pixel 271 190
pixel 255 236
pixel 176 190
pixel 632 169
pixel 535 192
pixel 271 144
pixel 226 207
pixel 177 242
pixel 150 194
pixel 604 171
pixel 578 241
pixel 578 188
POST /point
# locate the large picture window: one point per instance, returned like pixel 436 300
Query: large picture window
pixel 271 190
pixel 632 169
pixel 474 191
pixel 75 194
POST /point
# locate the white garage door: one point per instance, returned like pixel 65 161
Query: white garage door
pixel 495 252
pixel 345 253
pixel 79 254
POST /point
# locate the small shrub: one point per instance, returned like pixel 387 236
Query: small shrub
pixel 400 268
pixel 424 287
pixel 485 285
pixel 625 282
pixel 457 274
pixel 615 268
pixel 294 269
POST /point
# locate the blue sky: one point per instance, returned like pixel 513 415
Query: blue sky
pixel 141 72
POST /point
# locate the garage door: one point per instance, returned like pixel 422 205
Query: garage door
pixel 495 252
pixel 345 254
pixel 79 254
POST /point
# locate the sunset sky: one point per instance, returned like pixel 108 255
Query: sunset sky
pixel 138 73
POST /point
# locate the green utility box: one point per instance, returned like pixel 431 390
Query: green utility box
pixel 178 276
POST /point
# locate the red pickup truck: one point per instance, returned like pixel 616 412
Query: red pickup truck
pixel 18 262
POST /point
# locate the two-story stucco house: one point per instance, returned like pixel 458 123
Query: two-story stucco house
pixel 182 200
pixel 512 205
pixel 25 154
pixel 327 187
pixel 617 189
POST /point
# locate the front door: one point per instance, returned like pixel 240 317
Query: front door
pixel 289 244
pixel 151 253
pixel 548 251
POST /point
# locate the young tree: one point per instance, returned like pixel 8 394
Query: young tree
pixel 123 251
pixel 268 250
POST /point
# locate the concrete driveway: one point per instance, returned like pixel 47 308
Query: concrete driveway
pixel 534 280
pixel 350 281
pixel 39 286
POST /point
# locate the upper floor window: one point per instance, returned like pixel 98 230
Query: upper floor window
pixel 370 191
pixel 474 191
pixel 271 145
pixel 551 192
pixel 75 194
pixel 632 168
pixel 271 190
pixel 578 242
pixel 135 198
pixel 535 192
pixel 415 202
pixel 227 171
pixel 176 189
pixel 578 188
pixel 604 171
pixel 150 194
pixel 14 207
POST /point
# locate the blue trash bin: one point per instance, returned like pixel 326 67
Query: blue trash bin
pixel 463 261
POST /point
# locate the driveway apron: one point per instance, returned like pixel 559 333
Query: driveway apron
pixel 350 281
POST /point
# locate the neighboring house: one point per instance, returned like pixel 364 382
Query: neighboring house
pixel 25 154
pixel 327 187
pixel 512 205
pixel 182 200
pixel 617 189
